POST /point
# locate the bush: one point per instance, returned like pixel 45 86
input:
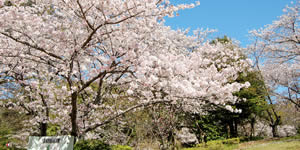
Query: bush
pixel 231 141
pixel 3 147
pixel 211 145
pixel 215 142
pixel 91 145
pixel 121 147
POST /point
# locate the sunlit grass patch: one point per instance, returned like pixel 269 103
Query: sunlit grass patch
pixel 279 145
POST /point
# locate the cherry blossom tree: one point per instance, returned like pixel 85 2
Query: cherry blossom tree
pixel 276 53
pixel 81 64
pixel 277 50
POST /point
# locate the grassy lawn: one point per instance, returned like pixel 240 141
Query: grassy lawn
pixel 289 143
pixel 281 145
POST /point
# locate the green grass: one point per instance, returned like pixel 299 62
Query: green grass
pixel 215 147
pixel 287 143
pixel 280 145
pixel 228 144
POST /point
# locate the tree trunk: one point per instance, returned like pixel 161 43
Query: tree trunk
pixel 274 122
pixel 43 126
pixel 235 128
pixel 228 130
pixel 74 115
pixel 252 123
pixel 231 127
pixel 274 130
pixel 43 129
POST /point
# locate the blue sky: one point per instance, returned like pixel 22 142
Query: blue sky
pixel 234 18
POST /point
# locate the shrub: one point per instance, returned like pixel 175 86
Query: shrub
pixel 231 141
pixel 211 145
pixel 215 142
pixel 91 145
pixel 121 147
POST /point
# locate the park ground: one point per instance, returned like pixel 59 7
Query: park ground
pixel 287 143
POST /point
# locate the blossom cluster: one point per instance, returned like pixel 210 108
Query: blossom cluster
pixel 78 63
